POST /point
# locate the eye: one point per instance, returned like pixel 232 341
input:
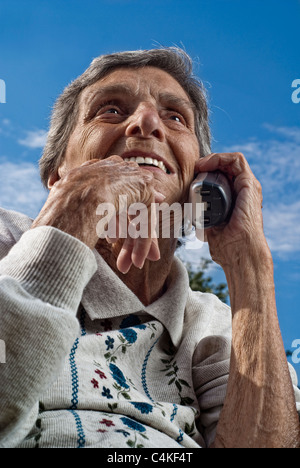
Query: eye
pixel 176 117
pixel 110 113
pixel 108 108
pixel 111 110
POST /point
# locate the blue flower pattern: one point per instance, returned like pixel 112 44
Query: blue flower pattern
pixel 118 376
pixel 144 408
pixel 130 335
pixel 127 335
pixel 109 343
pixel 106 393
pixel 133 424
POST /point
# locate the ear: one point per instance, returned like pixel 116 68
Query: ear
pixel 52 179
pixel 56 175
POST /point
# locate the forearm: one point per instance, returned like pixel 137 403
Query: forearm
pixel 259 409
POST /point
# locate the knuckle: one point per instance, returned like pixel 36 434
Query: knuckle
pixel 240 161
pixel 259 190
pixel 113 158
pixel 129 166
pixel 238 155
pixel 258 186
pixel 68 177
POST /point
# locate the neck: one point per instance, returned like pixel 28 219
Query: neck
pixel 148 284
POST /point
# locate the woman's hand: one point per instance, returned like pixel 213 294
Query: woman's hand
pixel 73 200
pixel 245 227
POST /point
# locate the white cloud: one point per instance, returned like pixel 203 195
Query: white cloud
pixel 34 139
pixel 282 228
pixel 20 188
pixel 5 127
pixel 292 133
pixel 276 163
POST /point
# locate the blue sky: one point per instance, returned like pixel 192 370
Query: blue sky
pixel 246 52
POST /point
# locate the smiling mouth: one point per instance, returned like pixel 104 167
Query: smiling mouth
pixel 147 161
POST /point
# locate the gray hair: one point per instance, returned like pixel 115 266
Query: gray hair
pixel 173 60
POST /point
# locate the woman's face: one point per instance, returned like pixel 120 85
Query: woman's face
pixel 139 113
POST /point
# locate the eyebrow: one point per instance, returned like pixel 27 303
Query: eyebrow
pixel 177 101
pixel 114 89
pixel 123 89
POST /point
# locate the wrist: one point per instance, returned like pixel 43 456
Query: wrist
pixel 250 276
pixel 247 253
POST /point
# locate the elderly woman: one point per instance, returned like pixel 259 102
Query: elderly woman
pixel 106 345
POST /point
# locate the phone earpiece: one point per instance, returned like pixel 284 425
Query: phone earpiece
pixel 211 199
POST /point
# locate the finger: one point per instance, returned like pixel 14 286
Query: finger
pixel 124 261
pixel 140 252
pixel 112 159
pixel 138 229
pixel 158 196
pixel 146 243
pixel 118 229
pixel 88 163
pixel 111 240
pixel 107 161
pixel 154 251
pixel 231 163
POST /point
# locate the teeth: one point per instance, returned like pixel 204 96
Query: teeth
pixel 162 166
pixel 149 161
pixel 140 160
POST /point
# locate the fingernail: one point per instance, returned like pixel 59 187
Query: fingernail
pixel 125 271
pixel 140 267
pixel 159 196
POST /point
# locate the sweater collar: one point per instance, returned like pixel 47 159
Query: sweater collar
pixel 106 296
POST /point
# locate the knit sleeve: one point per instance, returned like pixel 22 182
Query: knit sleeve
pixel 210 377
pixel 42 279
pixel 295 383
pixel 209 327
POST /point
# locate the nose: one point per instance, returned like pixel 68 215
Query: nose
pixel 146 122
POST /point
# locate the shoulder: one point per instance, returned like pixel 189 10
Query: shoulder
pixel 12 227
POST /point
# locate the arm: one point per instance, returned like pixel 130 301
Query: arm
pixel 41 283
pixel 42 280
pixel 259 408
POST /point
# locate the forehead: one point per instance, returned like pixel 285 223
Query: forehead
pixel 146 81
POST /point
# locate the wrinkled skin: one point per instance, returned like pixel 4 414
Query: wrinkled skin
pixel 146 112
